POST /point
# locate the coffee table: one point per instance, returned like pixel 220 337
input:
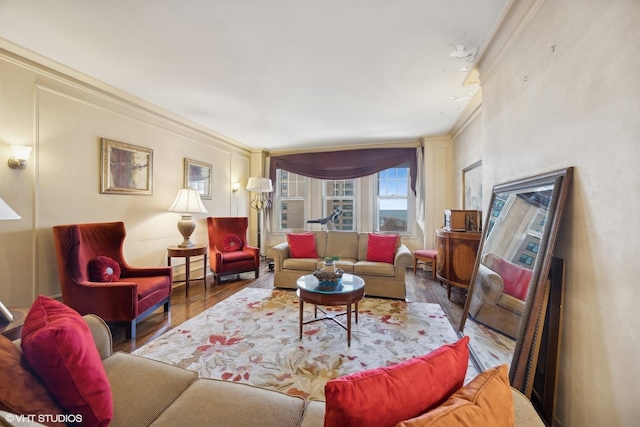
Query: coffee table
pixel 347 291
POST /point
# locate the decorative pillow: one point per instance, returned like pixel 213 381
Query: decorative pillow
pixel 385 396
pixel 21 391
pixel 382 247
pixel 485 401
pixel 59 346
pixel 302 245
pixel 515 277
pixel 231 243
pixel 104 269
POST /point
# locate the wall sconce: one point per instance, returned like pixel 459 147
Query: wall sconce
pixel 235 187
pixel 20 156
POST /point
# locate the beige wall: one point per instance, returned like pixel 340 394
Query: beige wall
pixel 63 120
pixel 559 89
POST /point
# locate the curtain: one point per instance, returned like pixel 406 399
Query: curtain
pixel 420 219
pixel 346 164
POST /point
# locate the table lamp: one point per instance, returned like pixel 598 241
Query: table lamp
pixel 187 202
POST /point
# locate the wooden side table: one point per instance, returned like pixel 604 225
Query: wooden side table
pixel 187 253
pixel 13 329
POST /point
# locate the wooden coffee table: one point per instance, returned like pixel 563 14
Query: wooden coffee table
pixel 349 290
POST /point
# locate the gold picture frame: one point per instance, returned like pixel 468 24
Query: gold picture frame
pixel 125 168
pixel 472 186
pixel 197 175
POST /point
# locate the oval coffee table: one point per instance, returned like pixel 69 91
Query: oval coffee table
pixel 347 291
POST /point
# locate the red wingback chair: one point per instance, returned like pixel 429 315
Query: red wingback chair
pixel 136 294
pixel 229 252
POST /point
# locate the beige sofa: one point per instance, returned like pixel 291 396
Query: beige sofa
pixel 150 393
pixel 381 279
pixel 490 305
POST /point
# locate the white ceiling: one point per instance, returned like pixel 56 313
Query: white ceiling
pixel 275 74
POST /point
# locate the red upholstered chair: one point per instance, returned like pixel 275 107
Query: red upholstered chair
pixel 130 298
pixel 229 252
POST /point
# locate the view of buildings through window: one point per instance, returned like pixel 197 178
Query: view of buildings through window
pixel 392 200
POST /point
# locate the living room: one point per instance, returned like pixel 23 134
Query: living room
pixel 555 92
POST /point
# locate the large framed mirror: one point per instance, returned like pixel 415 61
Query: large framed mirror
pixel 509 288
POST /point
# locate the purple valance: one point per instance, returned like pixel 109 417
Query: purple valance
pixel 346 164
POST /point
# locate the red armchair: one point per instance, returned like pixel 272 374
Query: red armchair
pixel 130 298
pixel 229 252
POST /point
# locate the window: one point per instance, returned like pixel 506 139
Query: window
pixel 292 193
pixel 340 194
pixel 392 200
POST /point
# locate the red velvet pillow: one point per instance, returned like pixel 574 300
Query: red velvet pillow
pixel 21 391
pixel 382 247
pixel 515 277
pixel 104 269
pixel 385 396
pixel 231 243
pixel 57 343
pixel 302 245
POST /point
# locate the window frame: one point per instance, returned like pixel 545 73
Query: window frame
pixel 410 198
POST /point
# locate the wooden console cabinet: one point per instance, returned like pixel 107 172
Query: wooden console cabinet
pixel 456 257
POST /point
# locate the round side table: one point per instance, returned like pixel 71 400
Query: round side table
pixel 187 253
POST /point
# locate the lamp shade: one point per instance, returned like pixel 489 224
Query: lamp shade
pixel 187 201
pixel 6 212
pixel 21 152
pixel 259 185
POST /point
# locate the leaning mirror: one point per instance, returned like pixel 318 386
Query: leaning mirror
pixel 509 290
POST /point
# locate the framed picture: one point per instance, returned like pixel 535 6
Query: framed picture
pixel 5 314
pixel 197 175
pixel 126 169
pixel 472 186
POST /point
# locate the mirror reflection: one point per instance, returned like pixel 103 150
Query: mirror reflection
pixel 507 289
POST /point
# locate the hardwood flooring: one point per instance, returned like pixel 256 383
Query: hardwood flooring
pixel 420 288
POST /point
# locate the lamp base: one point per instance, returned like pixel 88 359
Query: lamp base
pixel 186 226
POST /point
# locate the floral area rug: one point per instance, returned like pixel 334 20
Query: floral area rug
pixel 253 337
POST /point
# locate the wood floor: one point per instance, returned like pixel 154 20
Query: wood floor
pixel 420 288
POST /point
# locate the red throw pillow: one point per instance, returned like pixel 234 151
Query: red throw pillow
pixel 382 247
pixel 21 391
pixel 515 277
pixel 231 243
pixel 385 396
pixel 104 269
pixel 302 245
pixel 57 343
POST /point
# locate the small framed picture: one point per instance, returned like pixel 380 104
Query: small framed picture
pixel 126 168
pixel 5 314
pixel 197 175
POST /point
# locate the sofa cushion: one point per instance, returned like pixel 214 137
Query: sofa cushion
pixel 232 404
pixel 369 268
pixel 149 285
pixel 388 395
pixel 486 401
pixel 343 243
pixel 21 391
pixel 302 245
pixel 231 243
pixel 104 269
pixel 381 247
pixel 143 388
pixel 236 256
pixel 59 347
pixel 304 265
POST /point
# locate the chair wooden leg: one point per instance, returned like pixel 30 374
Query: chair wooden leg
pixel 167 305
pixel 257 273
pixel 415 264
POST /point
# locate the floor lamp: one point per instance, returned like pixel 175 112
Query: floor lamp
pixel 260 186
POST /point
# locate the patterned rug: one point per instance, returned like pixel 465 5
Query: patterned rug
pixel 252 337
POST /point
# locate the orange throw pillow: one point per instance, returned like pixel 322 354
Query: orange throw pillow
pixel 385 396
pixel 21 391
pixel 485 401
